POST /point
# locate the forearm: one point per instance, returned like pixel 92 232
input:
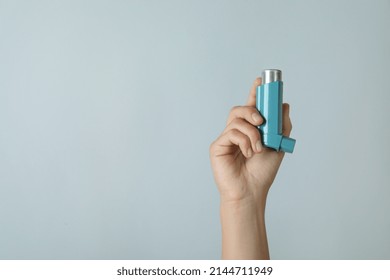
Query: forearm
pixel 243 230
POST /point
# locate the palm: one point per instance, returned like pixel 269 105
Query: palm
pixel 238 176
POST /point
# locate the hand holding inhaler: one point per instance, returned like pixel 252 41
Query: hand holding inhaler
pixel 244 169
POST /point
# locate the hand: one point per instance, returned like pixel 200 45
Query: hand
pixel 243 168
pixel 244 172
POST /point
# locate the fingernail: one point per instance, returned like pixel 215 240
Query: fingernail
pixel 249 153
pixel 256 117
pixel 258 146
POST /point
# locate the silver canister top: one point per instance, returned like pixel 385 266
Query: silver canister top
pixel 271 75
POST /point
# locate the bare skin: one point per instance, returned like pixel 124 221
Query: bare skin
pixel 244 171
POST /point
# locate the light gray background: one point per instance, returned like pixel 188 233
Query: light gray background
pixel 108 108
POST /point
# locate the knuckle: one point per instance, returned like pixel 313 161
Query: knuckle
pixel 232 114
pixel 247 142
pixel 234 133
pixel 240 137
pixel 212 147
pixel 236 122
pixel 234 109
pixel 244 140
pixel 254 133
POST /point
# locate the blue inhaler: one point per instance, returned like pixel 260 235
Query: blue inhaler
pixel 269 100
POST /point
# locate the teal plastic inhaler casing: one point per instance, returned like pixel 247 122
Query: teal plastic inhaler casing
pixel 269 101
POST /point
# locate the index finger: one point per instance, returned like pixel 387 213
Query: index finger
pixel 252 93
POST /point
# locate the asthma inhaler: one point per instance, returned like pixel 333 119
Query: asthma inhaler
pixel 269 100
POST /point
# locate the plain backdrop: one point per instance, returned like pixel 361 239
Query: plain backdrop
pixel 108 108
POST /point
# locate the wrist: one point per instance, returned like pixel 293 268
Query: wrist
pixel 243 229
pixel 244 201
pixel 244 209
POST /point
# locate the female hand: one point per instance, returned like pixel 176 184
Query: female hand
pixel 244 172
pixel 243 168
